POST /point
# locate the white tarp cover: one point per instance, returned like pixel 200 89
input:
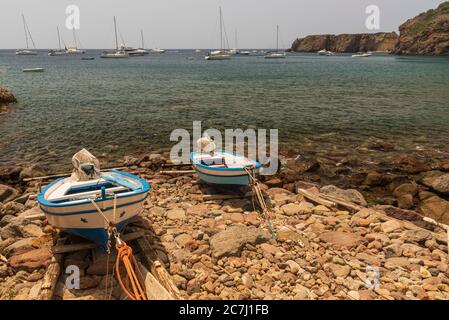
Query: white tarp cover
pixel 86 166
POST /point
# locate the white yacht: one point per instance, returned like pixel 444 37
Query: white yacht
pixel 117 54
pixel 218 54
pixel 276 54
pixel 27 51
pixel 60 52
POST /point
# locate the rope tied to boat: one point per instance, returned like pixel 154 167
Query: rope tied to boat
pixel 134 284
pixel 258 195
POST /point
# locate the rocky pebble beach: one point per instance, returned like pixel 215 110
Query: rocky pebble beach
pixel 224 249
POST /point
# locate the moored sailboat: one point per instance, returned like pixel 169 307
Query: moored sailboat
pixel 276 54
pixel 219 54
pixel 27 51
pixel 60 52
pixel 117 54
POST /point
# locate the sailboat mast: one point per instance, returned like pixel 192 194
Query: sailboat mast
pixel 25 29
pixel 115 30
pixel 74 37
pixel 236 45
pixel 141 35
pixel 221 31
pixel 59 38
pixel 277 38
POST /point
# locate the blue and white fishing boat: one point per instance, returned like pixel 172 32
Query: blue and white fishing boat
pixel 90 201
pixel 224 168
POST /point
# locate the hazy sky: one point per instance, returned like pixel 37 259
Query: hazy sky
pixel 194 23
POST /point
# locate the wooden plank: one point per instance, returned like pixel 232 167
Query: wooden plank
pixel 51 275
pixel 62 175
pixel 316 198
pixel 58 249
pixel 177 172
pixel 343 203
pixel 156 268
pixel 154 289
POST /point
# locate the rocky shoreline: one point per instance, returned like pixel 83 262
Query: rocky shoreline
pixel 222 248
pixel 425 34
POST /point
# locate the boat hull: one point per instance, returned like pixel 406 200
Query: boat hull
pixel 82 218
pixel 238 179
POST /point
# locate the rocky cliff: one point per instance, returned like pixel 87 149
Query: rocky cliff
pixel 347 42
pixel 426 34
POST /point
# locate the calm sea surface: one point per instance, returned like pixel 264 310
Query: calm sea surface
pixel 127 106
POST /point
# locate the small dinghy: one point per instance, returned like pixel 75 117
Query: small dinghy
pixel 34 70
pixel 88 58
pixel 222 168
pixel 89 201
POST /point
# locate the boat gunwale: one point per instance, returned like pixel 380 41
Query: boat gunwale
pixel 44 202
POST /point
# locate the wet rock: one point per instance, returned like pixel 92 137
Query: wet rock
pixel 32 171
pixel 7 193
pixel 350 195
pixel 341 239
pixel 231 241
pixel 6 97
pixel 31 260
pixel 439 183
pixel 410 164
pixel 375 178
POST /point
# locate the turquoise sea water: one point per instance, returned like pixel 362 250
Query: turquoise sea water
pixel 126 106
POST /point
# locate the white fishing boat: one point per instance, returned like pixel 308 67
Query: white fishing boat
pixel 117 54
pixel 27 51
pixel 90 202
pixel 33 70
pixel 60 52
pixel 361 55
pixel 224 168
pixel 276 54
pixel 219 54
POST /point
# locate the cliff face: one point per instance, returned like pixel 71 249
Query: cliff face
pixel 347 42
pixel 426 34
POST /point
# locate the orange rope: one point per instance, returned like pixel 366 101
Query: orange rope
pixel 126 258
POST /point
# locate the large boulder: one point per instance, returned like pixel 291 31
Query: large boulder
pixel 7 193
pixel 6 97
pixel 434 207
pixel 350 195
pixel 438 181
pixel 231 241
pixel 31 260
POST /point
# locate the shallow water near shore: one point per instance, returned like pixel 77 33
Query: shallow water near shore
pixel 128 106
